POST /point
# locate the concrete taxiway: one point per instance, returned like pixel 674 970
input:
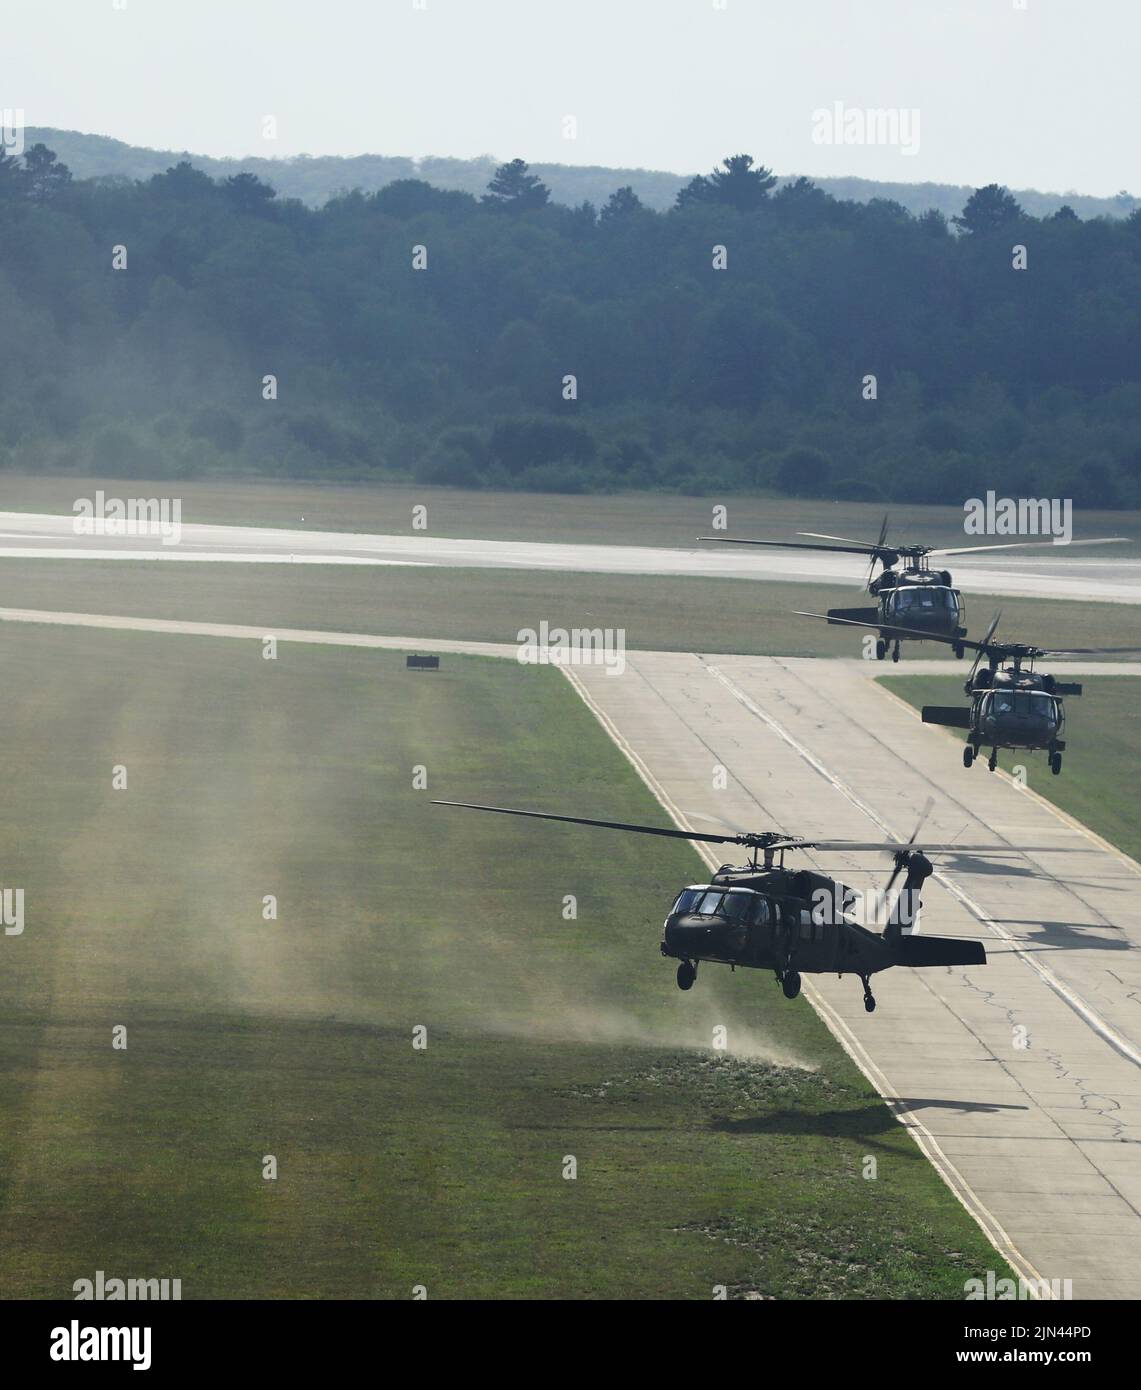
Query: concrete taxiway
pixel 1048 572
pixel 1021 1079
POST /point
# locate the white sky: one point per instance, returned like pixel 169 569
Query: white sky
pixel 1030 93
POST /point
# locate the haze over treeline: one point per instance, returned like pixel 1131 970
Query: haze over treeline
pixel 314 179
pixel 685 376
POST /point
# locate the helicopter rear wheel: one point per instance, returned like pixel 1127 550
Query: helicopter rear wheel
pixel 881 649
pixel 869 998
pixel 968 755
pixel 686 975
pixel 895 652
pixel 958 650
pixel 1055 763
pixel 992 761
pixel 790 983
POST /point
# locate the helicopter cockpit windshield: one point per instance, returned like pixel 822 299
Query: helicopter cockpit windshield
pixel 915 601
pixel 1022 704
pixel 736 904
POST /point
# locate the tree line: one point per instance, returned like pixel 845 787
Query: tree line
pixel 751 337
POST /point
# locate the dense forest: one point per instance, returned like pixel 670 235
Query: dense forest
pixel 752 336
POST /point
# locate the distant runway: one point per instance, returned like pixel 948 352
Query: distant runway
pixel 1048 573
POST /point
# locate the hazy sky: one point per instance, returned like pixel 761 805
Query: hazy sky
pixel 1031 93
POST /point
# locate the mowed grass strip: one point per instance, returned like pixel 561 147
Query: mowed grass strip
pixel 1098 781
pixel 548 1039
pixel 656 613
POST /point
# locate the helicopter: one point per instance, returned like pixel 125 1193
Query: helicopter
pixel 1012 705
pixel 764 916
pixel 916 598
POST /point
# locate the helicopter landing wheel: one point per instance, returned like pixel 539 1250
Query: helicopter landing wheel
pixel 1055 763
pixel 790 983
pixel 895 652
pixel 686 975
pixel 992 761
pixel 958 650
pixel 869 998
pixel 881 649
pixel 968 755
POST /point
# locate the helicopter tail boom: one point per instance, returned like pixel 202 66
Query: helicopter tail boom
pixel 953 716
pixel 852 615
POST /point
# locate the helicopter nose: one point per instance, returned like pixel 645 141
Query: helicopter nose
pixel 686 936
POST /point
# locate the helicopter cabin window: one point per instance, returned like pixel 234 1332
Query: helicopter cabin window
pixel 709 903
pixel 761 915
pixel 736 906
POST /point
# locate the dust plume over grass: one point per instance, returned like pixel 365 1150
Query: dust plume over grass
pixel 293 1037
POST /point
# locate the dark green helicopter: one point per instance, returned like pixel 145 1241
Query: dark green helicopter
pixel 919 603
pixel 763 916
pixel 1012 705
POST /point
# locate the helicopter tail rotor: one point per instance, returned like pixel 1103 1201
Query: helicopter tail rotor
pixel 918 869
pixel 982 650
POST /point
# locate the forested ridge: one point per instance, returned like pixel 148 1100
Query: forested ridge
pixel 585 348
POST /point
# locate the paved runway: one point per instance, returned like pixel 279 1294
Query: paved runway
pixel 1051 572
pixel 1020 1079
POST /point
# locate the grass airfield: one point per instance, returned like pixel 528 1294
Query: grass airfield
pixel 247 1037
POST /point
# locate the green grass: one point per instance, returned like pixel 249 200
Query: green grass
pixel 642 518
pixel 246 1037
pixel 1098 782
pixel 657 613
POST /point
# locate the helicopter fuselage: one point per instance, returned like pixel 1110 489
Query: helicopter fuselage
pixel 919 599
pixel 774 919
pixel 1015 710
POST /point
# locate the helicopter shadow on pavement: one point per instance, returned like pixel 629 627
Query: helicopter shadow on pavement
pixel 1064 936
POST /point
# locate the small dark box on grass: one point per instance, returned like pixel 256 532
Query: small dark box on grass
pixel 423 663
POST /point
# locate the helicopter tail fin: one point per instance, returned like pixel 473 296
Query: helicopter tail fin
pixel 953 716
pixel 938 950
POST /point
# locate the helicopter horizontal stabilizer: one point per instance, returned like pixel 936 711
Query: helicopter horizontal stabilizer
pixel 938 950
pixel 953 716
pixel 852 615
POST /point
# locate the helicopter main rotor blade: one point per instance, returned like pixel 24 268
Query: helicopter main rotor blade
pixel 899 846
pixel 1091 651
pixel 889 631
pixel 788 545
pixel 605 824
pixel 1023 545
pixel 747 839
